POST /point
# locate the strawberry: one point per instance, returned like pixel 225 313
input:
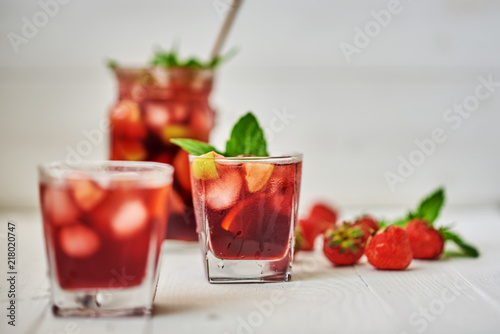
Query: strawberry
pixel 300 242
pixel 323 212
pixel 426 242
pixel 344 245
pixel 321 218
pixel 367 232
pixel 389 249
pixel 369 221
pixel 368 224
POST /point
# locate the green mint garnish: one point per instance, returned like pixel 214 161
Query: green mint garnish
pixel 430 207
pixel 194 146
pixel 428 210
pixel 171 59
pixel 466 250
pixel 111 63
pixel 247 138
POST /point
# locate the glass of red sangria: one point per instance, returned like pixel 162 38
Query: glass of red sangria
pixel 104 223
pixel 246 210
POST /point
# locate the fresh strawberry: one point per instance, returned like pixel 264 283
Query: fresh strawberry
pixel 344 245
pixel 323 212
pixel 389 249
pixel 300 242
pixel 321 218
pixel 367 232
pixel 426 242
pixel 368 224
pixel 369 221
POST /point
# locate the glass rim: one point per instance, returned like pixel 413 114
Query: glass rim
pixel 282 158
pixel 152 68
pixel 94 167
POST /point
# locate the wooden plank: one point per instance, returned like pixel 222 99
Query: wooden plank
pixel 32 295
pixel 450 295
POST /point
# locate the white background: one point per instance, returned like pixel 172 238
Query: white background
pixel 352 120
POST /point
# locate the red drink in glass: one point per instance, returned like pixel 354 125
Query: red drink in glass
pixel 246 214
pixel 104 225
pixel 155 105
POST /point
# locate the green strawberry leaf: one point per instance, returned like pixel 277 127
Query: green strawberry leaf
pixel 466 249
pixel 247 138
pixel 194 147
pixel 430 206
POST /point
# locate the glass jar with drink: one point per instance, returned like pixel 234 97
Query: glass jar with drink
pixel 156 104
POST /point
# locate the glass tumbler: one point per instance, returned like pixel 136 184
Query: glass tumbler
pixel 104 223
pixel 246 213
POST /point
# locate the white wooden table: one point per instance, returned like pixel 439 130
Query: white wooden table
pixel 455 295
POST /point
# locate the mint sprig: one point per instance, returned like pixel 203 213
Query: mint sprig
pixel 247 138
pixel 193 146
pixel 171 59
pixel 466 249
pixel 428 209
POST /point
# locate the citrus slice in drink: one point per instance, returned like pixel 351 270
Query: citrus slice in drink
pixel 204 167
pixel 257 174
pixel 244 218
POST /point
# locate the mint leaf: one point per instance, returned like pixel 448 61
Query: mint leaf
pixel 430 206
pixel 194 147
pixel 111 63
pixel 171 58
pixel 466 249
pixel 428 209
pixel 222 59
pixel 247 138
pixel 402 222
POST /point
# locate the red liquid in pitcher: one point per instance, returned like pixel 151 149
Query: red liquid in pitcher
pixel 152 109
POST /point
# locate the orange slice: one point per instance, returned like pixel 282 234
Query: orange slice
pixel 257 174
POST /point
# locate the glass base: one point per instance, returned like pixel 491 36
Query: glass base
pixel 106 303
pixel 248 271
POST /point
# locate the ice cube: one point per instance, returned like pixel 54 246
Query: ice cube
pixel 180 111
pixel 224 192
pixel 126 120
pixel 201 121
pixel 79 241
pixel 59 206
pixel 281 187
pixel 157 115
pixel 129 218
pixel 86 192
